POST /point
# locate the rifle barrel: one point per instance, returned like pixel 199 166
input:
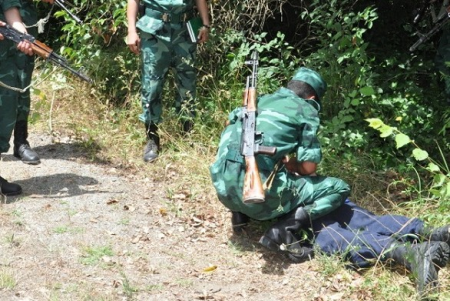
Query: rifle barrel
pixel 72 15
pixel 429 34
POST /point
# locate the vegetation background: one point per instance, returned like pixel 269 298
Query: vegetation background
pixel 385 118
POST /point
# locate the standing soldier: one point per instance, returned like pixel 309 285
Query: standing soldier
pixel 15 64
pixel 20 67
pixel 165 43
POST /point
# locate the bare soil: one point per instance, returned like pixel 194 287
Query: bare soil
pixel 90 231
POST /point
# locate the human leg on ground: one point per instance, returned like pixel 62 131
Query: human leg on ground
pixel 363 238
pixel 317 197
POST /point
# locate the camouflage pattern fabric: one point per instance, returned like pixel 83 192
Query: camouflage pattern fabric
pixel 16 70
pixel 290 124
pixel 164 46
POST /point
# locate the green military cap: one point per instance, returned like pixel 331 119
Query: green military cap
pixel 313 79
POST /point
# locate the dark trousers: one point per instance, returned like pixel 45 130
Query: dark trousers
pixel 361 236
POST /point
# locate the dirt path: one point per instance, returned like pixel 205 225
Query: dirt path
pixel 84 231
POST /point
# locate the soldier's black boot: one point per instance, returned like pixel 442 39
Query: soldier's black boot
pixel 283 236
pixel 187 126
pixel 22 149
pixel 152 148
pixel 238 221
pixel 9 189
pixel 424 260
pixel 437 234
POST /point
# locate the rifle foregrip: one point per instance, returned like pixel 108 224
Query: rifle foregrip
pixel 251 99
pixel 41 49
pixel 253 188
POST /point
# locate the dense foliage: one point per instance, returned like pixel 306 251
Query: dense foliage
pixel 360 47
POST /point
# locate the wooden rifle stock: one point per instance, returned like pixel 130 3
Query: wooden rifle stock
pixel 253 188
pixel 253 191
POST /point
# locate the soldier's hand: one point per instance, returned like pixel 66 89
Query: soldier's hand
pixel 203 34
pixel 25 47
pixel 134 42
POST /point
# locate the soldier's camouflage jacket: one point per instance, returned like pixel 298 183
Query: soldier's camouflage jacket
pixel 290 124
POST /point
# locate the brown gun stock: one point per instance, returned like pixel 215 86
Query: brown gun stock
pixel 253 191
pixel 253 188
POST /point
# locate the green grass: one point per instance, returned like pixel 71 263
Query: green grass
pixel 7 280
pixel 93 255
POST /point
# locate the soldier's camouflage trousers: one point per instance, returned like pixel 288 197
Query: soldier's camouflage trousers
pixel 158 56
pixel 16 70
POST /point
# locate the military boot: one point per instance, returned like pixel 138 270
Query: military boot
pixel 238 221
pixel 283 236
pixel 9 189
pixel 152 148
pixel 187 126
pixel 438 234
pixel 424 260
pixel 22 149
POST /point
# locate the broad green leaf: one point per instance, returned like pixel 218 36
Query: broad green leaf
pixel 439 180
pixel 401 140
pixel 367 91
pixel 355 102
pixel 386 131
pixel 433 167
pixel 374 122
pixel 447 192
pixel 420 154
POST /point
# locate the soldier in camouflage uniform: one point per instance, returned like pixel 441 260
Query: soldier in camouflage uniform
pixel 20 68
pixel 164 43
pixel 289 119
pixel 10 62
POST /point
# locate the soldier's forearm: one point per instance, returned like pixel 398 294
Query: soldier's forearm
pixel 132 12
pixel 13 18
pixel 202 7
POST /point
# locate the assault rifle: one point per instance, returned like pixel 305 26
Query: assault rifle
pixel 439 23
pixel 251 139
pixel 60 3
pixel 425 37
pixel 40 49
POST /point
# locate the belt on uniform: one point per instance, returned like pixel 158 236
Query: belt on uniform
pixel 169 17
